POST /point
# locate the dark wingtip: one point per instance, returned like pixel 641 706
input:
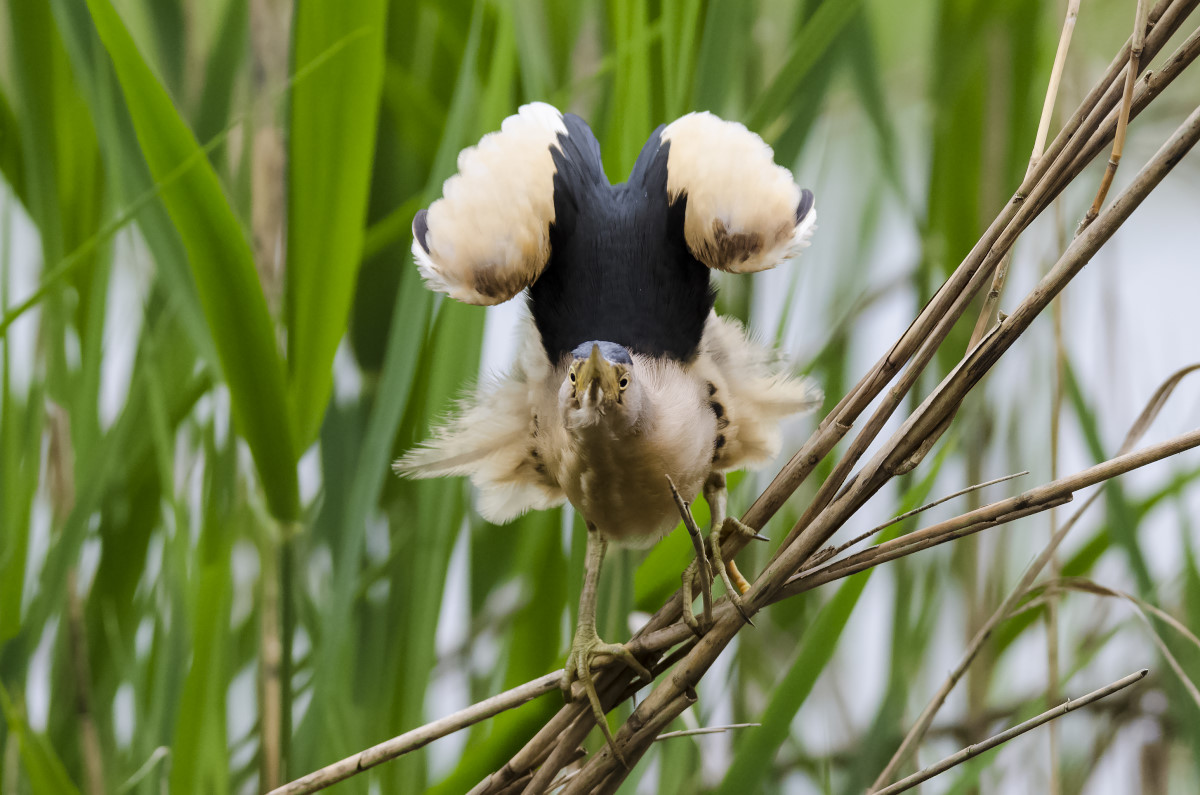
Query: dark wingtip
pixel 421 228
pixel 806 204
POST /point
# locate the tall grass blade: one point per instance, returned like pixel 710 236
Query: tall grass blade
pixel 221 262
pixel 45 771
pixel 333 110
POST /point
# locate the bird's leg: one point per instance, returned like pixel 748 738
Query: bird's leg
pixel 716 494
pixel 587 644
pixel 700 563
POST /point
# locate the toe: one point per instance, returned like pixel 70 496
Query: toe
pixel 637 667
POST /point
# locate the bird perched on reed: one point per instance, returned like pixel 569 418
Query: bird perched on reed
pixel 626 377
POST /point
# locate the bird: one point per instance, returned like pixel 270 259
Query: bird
pixel 628 388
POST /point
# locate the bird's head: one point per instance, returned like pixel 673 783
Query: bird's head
pixel 600 387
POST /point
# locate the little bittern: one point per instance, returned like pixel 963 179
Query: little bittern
pixel 626 375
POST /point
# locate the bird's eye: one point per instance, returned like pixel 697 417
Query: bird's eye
pixel 571 375
pixel 624 382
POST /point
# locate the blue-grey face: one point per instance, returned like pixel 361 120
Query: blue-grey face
pixel 614 353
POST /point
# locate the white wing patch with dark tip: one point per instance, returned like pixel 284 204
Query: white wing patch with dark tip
pixel 488 237
pixel 744 212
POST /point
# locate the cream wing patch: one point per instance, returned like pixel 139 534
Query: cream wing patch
pixel 488 237
pixel 744 212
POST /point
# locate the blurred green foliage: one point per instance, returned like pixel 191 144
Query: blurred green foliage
pixel 252 169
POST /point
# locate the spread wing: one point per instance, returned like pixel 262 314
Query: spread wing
pixel 488 237
pixel 744 212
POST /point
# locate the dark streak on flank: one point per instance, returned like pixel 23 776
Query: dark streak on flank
pixel 719 411
pixel 717 445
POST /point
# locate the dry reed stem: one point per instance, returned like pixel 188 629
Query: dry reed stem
pixel 992 298
pixel 968 373
pixel 412 740
pixel 999 739
pixel 1140 607
pixel 1147 89
pixel 706 730
pixel 1020 590
pixel 1072 145
pixel 1077 143
pixel 1043 193
pixel 831 552
pixel 1037 500
pixel 1114 160
pixel 270 29
pixel 1056 71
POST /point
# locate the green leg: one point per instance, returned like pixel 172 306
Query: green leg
pixel 699 565
pixel 717 495
pixel 587 644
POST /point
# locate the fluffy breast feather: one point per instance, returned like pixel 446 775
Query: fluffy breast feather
pixel 498 437
pixel 751 394
pixel 618 482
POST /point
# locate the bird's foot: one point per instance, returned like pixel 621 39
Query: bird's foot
pixel 700 565
pixel 734 526
pixel 701 625
pixel 584 650
pixel 735 583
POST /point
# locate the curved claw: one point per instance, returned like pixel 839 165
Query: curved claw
pixel 736 600
pixel 733 524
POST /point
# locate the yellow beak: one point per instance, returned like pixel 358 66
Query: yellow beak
pixel 598 376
